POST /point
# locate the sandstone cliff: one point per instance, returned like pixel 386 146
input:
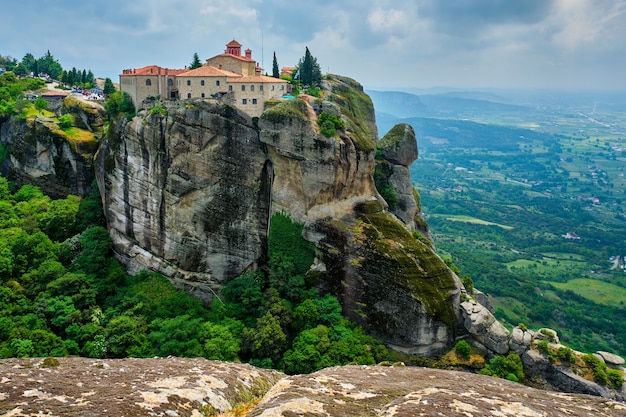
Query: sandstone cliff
pixel 59 161
pixel 197 387
pixel 190 193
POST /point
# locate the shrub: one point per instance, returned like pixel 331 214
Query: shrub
pixel 509 367
pixel 468 283
pixel 66 121
pixel 616 378
pixel 523 327
pixel 565 354
pixel 463 349
pixel 329 123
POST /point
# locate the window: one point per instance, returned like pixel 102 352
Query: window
pixel 230 88
pixel 170 82
pixel 243 88
pixel 282 87
pixel 188 95
pixel 254 101
pixel 188 82
pixel 217 83
pixel 272 87
pixel 202 95
pixel 202 82
pixel 244 101
pixel 148 82
pixel 261 87
pixel 251 88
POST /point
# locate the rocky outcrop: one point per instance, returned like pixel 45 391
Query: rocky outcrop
pixel 187 194
pixel 196 387
pixel 484 327
pixel 58 161
pixel 190 193
pixel 396 151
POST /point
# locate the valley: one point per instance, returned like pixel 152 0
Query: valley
pixel 526 195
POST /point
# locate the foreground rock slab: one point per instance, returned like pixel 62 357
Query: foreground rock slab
pixel 198 387
pixel 128 387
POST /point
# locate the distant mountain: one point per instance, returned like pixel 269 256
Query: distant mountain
pixel 397 103
pixel 458 105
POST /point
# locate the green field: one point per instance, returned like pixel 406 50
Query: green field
pixel 597 291
pixel 473 220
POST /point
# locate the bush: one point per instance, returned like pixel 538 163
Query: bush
pixel 66 122
pixel 509 367
pixel 329 123
pixel 463 349
pixel 565 354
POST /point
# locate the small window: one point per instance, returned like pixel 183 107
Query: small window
pixel 243 88
pixel 261 87
pixel 230 88
pixel 188 82
pixel 254 101
pixel 170 82
pixel 244 101
pixel 202 95
pixel 188 95
pixel 251 88
pixel 148 82
pixel 272 87
pixel 282 87
pixel 217 83
pixel 202 82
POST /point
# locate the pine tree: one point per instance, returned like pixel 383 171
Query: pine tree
pixel 275 71
pixel 196 63
pixel 310 71
pixel 109 88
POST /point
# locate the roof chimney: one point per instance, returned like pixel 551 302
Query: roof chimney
pixel 248 53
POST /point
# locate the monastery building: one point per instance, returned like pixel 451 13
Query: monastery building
pixel 232 77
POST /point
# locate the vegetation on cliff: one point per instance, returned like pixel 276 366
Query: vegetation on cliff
pixel 62 293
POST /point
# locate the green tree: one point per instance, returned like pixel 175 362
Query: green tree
pixel 41 104
pixel 120 103
pixel 220 343
pixel 196 63
pixel 109 88
pixel 126 336
pixel 269 340
pixel 275 70
pixel 309 69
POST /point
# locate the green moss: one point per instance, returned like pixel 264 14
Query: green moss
pixel 285 110
pixel 410 263
pixel 393 137
pixel 357 107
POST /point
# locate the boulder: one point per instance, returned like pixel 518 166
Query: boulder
pixel 611 358
pixel 520 340
pixel 484 327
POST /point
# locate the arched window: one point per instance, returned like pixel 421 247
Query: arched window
pixel 282 87
pixel 243 87
pixel 201 82
pixel 251 88
pixel 217 83
pixel 148 82
pixel 230 88
pixel 202 95
pixel 272 87
pixel 188 82
pixel 188 95
pixel 170 82
pixel 261 87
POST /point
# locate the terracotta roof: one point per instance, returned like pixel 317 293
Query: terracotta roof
pixel 152 70
pixel 233 43
pixel 239 57
pixel 255 79
pixel 208 71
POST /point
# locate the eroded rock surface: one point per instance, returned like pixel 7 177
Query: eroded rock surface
pixel 198 387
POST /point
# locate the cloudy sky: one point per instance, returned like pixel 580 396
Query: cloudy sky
pixel 573 44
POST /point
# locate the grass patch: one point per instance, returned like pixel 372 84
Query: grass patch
pixel 597 291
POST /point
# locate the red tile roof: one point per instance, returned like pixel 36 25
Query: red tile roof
pixel 239 57
pixel 208 71
pixel 233 43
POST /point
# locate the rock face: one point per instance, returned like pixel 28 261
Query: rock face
pixel 42 154
pixel 197 387
pixel 190 194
